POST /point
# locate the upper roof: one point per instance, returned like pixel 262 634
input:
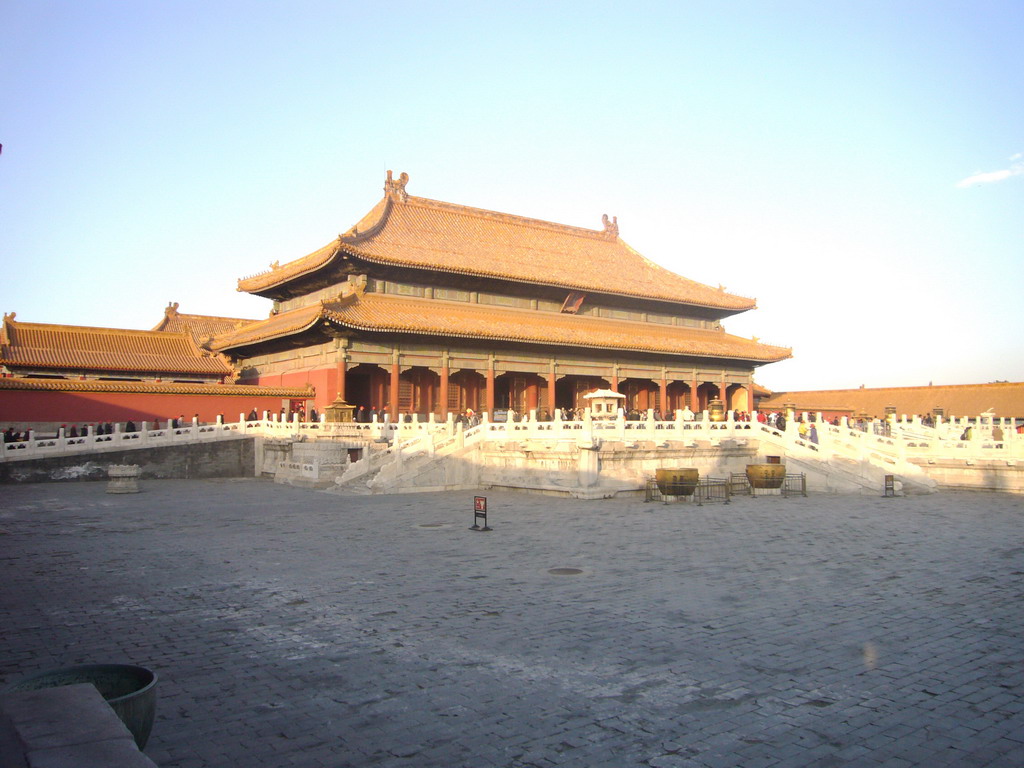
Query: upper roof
pixel 78 348
pixel 385 313
pixel 416 232
pixel 200 327
pixel 1002 398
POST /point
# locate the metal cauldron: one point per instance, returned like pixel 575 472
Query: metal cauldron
pixel 766 475
pixel 676 482
pixel 716 410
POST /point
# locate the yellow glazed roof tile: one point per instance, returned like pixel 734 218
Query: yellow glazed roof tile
pixel 80 348
pixel 428 234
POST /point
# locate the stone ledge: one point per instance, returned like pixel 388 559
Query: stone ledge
pixel 70 726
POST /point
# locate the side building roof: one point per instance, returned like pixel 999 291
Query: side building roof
pixel 154 388
pixel 419 233
pixel 389 314
pixel 1001 398
pixel 200 327
pixel 73 349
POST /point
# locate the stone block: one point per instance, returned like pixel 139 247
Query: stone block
pixel 54 717
pixel 69 726
pixel 123 754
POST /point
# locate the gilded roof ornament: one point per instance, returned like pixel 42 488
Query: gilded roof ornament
pixel 611 226
pixel 396 189
pixel 356 284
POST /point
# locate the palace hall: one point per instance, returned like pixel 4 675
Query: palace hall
pixel 430 307
pixel 422 307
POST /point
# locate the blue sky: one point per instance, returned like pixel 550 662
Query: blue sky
pixel 854 166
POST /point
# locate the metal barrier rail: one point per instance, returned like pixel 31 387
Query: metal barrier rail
pixel 794 484
pixel 707 489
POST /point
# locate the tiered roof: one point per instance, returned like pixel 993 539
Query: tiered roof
pixel 384 313
pixel 419 233
pixel 75 349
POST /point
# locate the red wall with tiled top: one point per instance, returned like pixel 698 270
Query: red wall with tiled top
pixel 18 407
pixel 324 381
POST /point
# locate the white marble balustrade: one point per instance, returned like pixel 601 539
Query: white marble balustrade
pixel 899 438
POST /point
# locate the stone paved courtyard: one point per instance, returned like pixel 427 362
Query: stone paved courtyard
pixel 296 628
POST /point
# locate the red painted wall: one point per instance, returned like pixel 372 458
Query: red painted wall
pixel 324 380
pixel 22 406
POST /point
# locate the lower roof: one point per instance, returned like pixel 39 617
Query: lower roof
pixel 388 314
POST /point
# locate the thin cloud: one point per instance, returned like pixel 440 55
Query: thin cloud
pixel 1016 169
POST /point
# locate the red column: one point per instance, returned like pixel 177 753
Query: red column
pixel 393 407
pixel 444 390
pixel 750 397
pixel 723 393
pixel 551 391
pixel 663 390
pixel 490 389
pixel 342 369
pixel 531 395
pixel 694 402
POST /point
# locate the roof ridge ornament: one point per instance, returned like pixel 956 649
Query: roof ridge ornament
pixel 611 226
pixel 396 189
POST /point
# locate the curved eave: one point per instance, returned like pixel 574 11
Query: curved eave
pixel 259 285
pixel 265 282
pixel 786 353
pixel 258 338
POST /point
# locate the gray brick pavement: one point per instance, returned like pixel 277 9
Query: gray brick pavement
pixel 294 628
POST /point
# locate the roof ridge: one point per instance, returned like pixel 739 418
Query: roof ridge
pixel 99 328
pixel 484 213
pixel 215 317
